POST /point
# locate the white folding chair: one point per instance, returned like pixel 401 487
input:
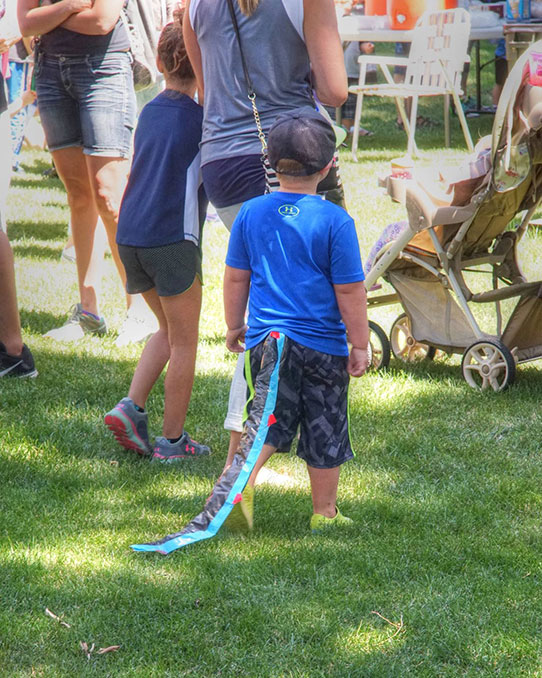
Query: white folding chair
pixel 434 67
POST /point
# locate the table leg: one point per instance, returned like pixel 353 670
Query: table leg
pixel 478 75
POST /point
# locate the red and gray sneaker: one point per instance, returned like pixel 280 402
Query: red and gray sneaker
pixel 129 426
pixel 20 366
pixel 184 448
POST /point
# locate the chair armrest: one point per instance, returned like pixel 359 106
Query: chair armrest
pixel 424 214
pixel 379 60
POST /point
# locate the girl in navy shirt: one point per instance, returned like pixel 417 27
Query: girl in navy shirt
pixel 160 222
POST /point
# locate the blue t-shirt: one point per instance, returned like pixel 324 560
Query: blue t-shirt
pixel 297 247
pixel 164 201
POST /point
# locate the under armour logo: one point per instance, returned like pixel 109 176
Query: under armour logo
pixel 289 210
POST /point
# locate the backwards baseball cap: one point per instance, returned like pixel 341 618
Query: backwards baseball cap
pixel 303 137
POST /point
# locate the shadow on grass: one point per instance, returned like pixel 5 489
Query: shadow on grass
pixel 40 321
pixel 443 540
pixel 38 252
pixel 289 600
pixel 32 179
pixel 29 229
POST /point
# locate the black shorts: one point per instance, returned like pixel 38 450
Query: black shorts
pixel 311 393
pixel 169 268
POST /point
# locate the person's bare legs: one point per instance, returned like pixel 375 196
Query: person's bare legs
pixel 154 356
pixel 324 484
pixel 267 452
pixel 10 324
pixel 235 439
pixel 5 166
pixel 72 169
pixel 182 313
pixel 176 341
pixel 108 178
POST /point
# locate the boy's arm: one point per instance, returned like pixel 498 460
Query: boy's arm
pixel 352 302
pixel 236 288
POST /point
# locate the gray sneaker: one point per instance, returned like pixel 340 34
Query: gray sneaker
pixel 172 453
pixel 129 426
pixel 79 323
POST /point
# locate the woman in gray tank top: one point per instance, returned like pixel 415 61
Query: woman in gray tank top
pixel 292 48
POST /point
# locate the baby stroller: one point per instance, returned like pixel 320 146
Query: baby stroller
pixel 469 228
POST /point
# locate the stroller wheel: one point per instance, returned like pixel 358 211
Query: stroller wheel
pixel 379 347
pixel 403 345
pixel 488 364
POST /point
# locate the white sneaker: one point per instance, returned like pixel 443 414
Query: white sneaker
pixel 136 329
pixel 78 324
pixel 68 254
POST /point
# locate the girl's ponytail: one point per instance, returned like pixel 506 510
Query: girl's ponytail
pixel 171 49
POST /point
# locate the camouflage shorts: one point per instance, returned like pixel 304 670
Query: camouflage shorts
pixel 312 395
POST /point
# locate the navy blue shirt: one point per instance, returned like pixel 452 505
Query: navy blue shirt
pixel 164 201
pixel 296 247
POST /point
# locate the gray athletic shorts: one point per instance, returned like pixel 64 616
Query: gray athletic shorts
pixel 169 268
pixel 311 394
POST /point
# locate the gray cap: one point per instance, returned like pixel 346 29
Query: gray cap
pixel 304 136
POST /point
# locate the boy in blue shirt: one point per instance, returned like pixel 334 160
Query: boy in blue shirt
pixel 298 257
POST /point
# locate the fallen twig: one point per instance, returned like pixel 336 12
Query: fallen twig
pixel 398 626
pixel 56 618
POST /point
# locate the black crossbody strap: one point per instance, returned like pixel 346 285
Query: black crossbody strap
pixel 250 87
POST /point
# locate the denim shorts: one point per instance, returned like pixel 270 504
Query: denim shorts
pixel 87 101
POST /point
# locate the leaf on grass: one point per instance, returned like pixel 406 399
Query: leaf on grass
pixel 56 618
pixel 111 648
pixel 114 462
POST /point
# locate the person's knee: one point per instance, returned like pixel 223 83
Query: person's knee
pixel 107 201
pixel 79 194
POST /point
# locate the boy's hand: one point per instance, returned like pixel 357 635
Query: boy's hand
pixel 235 338
pixel 358 361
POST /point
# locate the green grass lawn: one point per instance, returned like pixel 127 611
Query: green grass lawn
pixel 444 491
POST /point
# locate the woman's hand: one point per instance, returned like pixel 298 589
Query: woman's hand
pixel 74 5
pixel 79 5
pixel 98 19
pixel 36 19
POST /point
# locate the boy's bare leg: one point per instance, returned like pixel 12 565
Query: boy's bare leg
pixel 10 326
pixel 154 356
pixel 235 439
pixel 324 484
pixel 265 454
pixel 182 313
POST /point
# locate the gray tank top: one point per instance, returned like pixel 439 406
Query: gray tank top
pixel 277 61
